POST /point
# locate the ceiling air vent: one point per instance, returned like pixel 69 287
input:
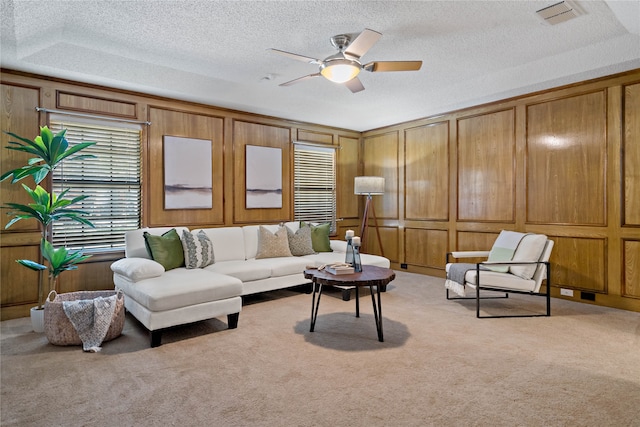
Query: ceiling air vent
pixel 559 12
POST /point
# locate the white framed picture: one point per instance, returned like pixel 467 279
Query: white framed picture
pixel 263 170
pixel 187 173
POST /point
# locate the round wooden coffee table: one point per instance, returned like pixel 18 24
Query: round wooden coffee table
pixel 370 276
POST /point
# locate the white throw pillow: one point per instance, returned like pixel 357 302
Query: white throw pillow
pixel 529 249
pixel 198 249
pixel 137 269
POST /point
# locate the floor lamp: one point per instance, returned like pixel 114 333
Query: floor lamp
pixel 369 186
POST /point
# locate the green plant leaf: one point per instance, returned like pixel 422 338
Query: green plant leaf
pixel 60 259
pixel 47 207
pixel 49 150
pixel 31 264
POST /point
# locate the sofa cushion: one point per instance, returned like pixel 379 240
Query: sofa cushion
pixel 499 280
pixel 504 248
pixel 165 249
pixel 246 271
pixel 300 241
pixel 198 249
pixel 529 250
pixel 228 243
pixel 320 236
pixel 272 245
pixel 283 266
pixel 181 287
pixel 136 269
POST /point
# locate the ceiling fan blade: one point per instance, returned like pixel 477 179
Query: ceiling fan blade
pixel 354 85
pixel 296 56
pixel 378 66
pixel 300 79
pixel 362 43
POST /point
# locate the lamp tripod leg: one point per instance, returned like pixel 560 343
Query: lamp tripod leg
pixel 365 218
pixel 375 220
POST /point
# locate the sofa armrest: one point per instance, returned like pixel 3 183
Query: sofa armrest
pixel 136 269
pixel 338 245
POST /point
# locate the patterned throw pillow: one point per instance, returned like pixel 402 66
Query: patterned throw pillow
pixel 198 249
pixel 272 245
pixel 300 242
pixel 166 249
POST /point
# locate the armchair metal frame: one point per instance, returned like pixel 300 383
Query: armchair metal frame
pixel 478 288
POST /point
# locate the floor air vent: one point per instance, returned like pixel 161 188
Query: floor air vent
pixel 559 12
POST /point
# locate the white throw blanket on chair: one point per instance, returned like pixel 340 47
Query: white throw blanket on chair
pixel 91 318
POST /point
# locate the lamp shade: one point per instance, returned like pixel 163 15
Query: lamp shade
pixel 370 185
pixel 340 70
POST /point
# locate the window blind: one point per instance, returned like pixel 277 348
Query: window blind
pixel 315 184
pixel 111 180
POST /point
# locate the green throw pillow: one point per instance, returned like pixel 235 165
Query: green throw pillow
pixel 320 236
pixel 166 249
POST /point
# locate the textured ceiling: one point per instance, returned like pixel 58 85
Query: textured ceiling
pixel 216 52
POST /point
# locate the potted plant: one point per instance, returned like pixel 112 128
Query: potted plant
pixel 49 151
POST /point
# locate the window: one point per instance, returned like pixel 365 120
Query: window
pixel 111 180
pixel 314 180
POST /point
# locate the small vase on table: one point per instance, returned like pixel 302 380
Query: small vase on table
pixel 349 252
pixel 357 263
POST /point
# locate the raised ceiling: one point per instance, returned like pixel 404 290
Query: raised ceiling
pixel 216 52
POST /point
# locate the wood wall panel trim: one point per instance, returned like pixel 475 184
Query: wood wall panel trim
pixel 475 240
pixel 579 263
pixel 567 160
pixel 96 105
pixel 426 165
pixel 347 169
pixel 615 231
pixel 88 277
pixel 631 155
pixel 188 125
pixel 18 115
pixel 251 133
pixel 390 242
pixel 316 137
pixel 19 284
pixel 380 158
pixel 486 173
pixel 426 247
pixel 21 238
pixel 631 268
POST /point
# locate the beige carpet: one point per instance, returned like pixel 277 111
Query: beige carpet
pixel 438 366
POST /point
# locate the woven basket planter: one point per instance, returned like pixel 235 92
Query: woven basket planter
pixel 58 328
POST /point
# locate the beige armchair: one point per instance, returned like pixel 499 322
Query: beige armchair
pixel 517 263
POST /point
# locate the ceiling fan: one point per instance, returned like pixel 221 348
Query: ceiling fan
pixel 344 66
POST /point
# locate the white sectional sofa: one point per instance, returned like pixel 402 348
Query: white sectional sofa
pixel 161 298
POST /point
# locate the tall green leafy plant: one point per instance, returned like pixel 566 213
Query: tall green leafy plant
pixel 48 151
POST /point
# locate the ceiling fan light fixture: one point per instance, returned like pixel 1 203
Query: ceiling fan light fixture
pixel 340 70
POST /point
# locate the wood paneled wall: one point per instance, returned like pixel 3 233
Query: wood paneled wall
pixel 229 132
pixel 563 162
